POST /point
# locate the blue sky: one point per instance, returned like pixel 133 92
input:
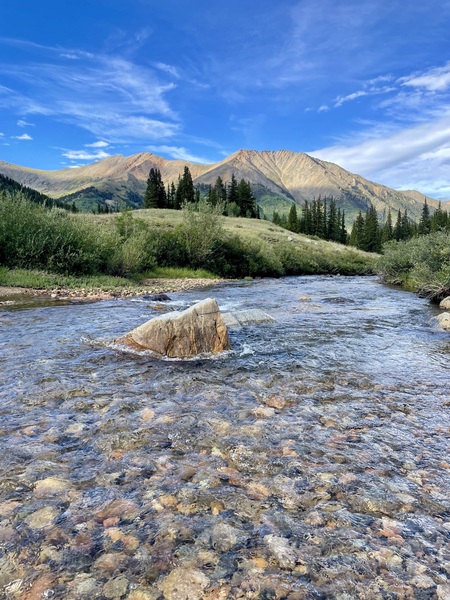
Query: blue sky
pixel 361 83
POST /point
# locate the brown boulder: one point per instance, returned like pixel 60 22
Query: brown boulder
pixel 194 331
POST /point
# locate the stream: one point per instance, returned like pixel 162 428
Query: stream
pixel 311 461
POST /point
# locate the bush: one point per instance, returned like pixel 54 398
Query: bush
pixel 421 264
pixel 32 236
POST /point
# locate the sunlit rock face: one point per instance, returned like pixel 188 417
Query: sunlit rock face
pixel 197 330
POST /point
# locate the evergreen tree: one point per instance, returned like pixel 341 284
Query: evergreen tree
pixel 388 231
pixel 343 236
pixel 307 219
pixel 292 222
pixel 220 190
pixel 357 233
pixel 155 194
pixel 372 237
pixel 232 192
pixel 185 192
pixel 440 220
pixel 246 201
pixel 425 220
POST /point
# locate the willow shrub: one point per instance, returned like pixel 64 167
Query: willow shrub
pixel 421 264
pixel 33 236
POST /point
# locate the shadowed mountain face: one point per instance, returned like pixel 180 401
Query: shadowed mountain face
pixel 278 179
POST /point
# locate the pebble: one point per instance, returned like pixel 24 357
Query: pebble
pixel 184 584
pixel 51 486
pixel 281 550
pixel 42 518
pixel 116 588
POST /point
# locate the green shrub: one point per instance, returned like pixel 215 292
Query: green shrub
pixel 421 264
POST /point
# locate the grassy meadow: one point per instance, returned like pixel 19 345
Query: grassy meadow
pixel 51 248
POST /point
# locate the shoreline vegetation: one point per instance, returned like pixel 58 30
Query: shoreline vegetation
pixel 130 253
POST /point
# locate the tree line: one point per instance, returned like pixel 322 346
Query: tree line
pixel 369 235
pixel 236 199
pixel 321 217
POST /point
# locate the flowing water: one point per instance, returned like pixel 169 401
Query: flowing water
pixel 310 461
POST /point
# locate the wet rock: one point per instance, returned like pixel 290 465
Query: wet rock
pixel 197 330
pixel 124 509
pixel 242 318
pixel 445 303
pixel 108 563
pixel 224 537
pixel 283 553
pixel 184 584
pixel 51 486
pixel 156 297
pixel 442 321
pixel 42 518
pixel 143 594
pixel 115 588
pixel 9 572
pixel 85 586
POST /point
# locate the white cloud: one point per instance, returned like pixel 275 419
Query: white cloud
pixel 24 136
pixel 98 144
pixel 168 69
pixel 179 153
pixel 415 157
pixel 110 96
pixel 23 123
pixel 1 134
pixel 85 155
pixel 437 79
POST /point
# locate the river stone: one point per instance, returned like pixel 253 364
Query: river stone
pixel 443 321
pixel 184 584
pixel 445 303
pixel 193 331
pixel 241 318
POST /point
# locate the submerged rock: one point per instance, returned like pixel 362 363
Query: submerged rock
pixel 443 321
pixel 184 584
pixel 241 318
pixel 196 330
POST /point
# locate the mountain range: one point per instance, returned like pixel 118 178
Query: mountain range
pixel 278 179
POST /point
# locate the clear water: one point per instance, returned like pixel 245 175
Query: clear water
pixel 311 461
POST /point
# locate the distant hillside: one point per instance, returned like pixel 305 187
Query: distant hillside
pixel 10 185
pixel 277 178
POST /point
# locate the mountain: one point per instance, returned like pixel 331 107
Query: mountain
pixel 277 178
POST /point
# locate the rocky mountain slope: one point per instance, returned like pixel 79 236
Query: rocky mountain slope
pixel 278 179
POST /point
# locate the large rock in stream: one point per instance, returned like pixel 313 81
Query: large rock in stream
pixel 196 330
pixel 443 321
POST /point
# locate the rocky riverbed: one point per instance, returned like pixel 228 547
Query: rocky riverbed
pixel 309 462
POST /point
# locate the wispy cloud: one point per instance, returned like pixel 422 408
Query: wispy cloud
pixel 435 80
pixel 110 96
pixel 23 123
pixel 179 153
pixel 416 157
pixel 85 155
pixel 24 136
pixel 99 144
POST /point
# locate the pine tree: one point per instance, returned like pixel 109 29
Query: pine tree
pixel 372 236
pixel 246 201
pixel 292 222
pixel 357 234
pixel 388 231
pixel 425 220
pixel 155 194
pixel 232 192
pixel 185 192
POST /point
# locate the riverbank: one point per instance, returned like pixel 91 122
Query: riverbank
pixel 148 286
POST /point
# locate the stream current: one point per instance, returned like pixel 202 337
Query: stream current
pixel 311 461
